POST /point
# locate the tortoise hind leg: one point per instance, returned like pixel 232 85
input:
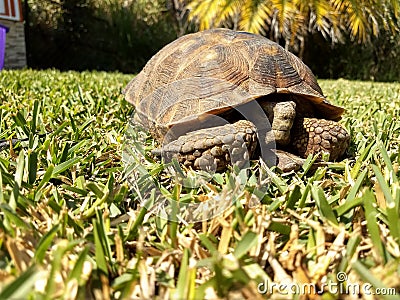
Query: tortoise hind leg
pixel 214 148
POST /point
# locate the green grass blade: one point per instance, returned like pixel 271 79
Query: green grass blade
pixel 323 205
pixel 173 225
pixel 308 163
pixel 99 244
pixel 384 186
pixel 35 115
pixel 60 128
pixel 182 282
pixel 279 183
pixel 102 243
pixel 371 216
pixel 248 241
pixel 76 272
pixel 58 253
pixel 46 177
pixel 83 127
pixel 351 248
pixel 18 180
pixel 356 187
pixel 372 281
pixel 393 216
pixel 65 166
pixel 348 205
pixel 32 166
pixel 1 187
pixel 21 286
pixel 351 200
pixel 386 159
pixel 360 161
pixel 76 147
pixel 294 196
pixel 207 243
pixel 45 243
pixel 305 194
pixel 21 122
pixel 95 189
pixel 279 227
pixel 13 216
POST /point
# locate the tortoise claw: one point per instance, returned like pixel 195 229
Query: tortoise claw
pixel 288 162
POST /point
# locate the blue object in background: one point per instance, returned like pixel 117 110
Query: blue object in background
pixel 3 33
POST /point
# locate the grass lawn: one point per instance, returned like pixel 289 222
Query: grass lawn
pixel 72 225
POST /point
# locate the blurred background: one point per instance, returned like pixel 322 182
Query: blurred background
pixel 353 39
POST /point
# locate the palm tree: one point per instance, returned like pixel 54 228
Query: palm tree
pixel 293 20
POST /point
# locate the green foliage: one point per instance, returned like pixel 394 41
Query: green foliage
pixel 103 35
pixel 293 20
pixel 123 35
pixel 71 226
pixel 376 60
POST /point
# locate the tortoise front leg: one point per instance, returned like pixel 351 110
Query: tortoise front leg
pixel 214 148
pixel 281 115
pixel 312 136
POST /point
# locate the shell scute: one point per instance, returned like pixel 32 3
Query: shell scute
pixel 212 71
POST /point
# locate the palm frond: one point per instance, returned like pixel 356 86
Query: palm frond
pixel 205 12
pixel 285 12
pixel 324 14
pixel 228 9
pixel 395 5
pixel 292 20
pixel 390 15
pixel 353 16
pixel 255 14
pixel 373 21
pixel 357 21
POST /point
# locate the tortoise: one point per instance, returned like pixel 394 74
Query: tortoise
pixel 198 97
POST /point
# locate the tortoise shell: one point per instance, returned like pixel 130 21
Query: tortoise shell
pixel 211 71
